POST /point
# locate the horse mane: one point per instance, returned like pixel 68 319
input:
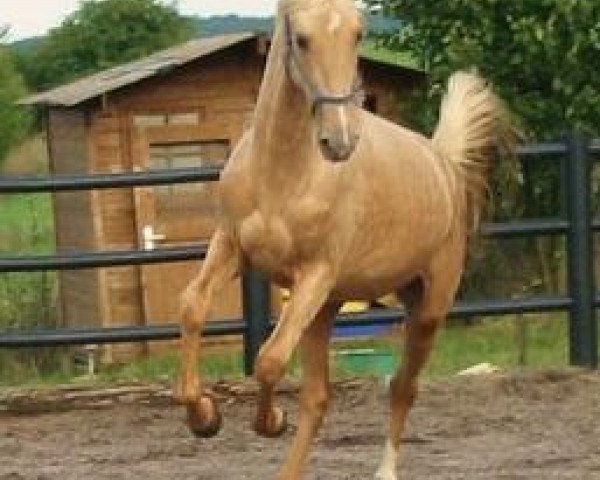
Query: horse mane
pixel 473 124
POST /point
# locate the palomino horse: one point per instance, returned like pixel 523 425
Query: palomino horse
pixel 334 204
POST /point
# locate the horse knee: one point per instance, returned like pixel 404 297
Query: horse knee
pixel 192 306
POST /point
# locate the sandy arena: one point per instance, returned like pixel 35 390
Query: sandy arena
pixel 528 427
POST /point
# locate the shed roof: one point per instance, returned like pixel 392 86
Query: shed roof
pixel 126 74
pixel 97 84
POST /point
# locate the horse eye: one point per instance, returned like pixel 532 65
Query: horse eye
pixel 302 42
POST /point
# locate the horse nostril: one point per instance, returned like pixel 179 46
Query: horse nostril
pixel 335 150
pixel 328 148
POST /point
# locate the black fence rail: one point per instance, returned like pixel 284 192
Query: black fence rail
pixel 578 225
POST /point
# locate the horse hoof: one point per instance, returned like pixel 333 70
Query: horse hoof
pixel 275 426
pixel 201 424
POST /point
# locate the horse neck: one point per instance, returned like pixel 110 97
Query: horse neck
pixel 284 141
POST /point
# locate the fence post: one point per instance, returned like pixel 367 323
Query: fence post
pixel 256 304
pixel 583 327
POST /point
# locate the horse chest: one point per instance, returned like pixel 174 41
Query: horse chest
pixel 275 241
pixel 266 241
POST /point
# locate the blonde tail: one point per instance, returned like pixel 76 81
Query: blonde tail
pixel 472 124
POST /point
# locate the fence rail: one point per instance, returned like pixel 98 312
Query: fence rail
pixel 62 183
pixel 167 331
pixel 115 258
pixel 577 226
pixel 75 261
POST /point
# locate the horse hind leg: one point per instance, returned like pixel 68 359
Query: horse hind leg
pixel 221 264
pixel 427 301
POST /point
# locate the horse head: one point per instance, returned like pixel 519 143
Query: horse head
pixel 322 43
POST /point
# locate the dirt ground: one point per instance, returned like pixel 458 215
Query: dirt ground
pixel 534 426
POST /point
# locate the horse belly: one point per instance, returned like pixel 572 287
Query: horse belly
pixel 384 264
pixel 373 282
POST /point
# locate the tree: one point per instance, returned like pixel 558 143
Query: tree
pixel 540 55
pixel 14 120
pixel 102 34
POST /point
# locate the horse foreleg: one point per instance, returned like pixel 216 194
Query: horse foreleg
pixel 221 264
pixel 314 394
pixel 308 295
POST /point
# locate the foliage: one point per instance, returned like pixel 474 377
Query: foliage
pixel 14 120
pixel 28 60
pixel 27 300
pixel 223 24
pixel 541 55
pixel 102 34
pixel 370 49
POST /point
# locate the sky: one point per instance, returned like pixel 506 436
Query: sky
pixel 35 17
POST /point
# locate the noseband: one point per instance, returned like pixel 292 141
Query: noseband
pixel 318 97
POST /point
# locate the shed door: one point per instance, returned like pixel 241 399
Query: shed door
pixel 176 215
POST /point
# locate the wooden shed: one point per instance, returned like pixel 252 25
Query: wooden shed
pixel 181 107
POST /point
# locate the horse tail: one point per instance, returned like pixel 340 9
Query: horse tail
pixel 472 124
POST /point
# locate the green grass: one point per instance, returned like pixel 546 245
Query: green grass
pixel 28 300
pixel 495 341
pixel 163 367
pixel 458 347
pixel 491 340
pixel 27 224
pixel 34 368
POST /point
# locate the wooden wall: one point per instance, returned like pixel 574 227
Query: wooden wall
pixel 119 287
pixel 391 86
pixel 67 133
pixel 222 87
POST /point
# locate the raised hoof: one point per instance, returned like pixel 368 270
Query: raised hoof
pixel 273 428
pixel 197 418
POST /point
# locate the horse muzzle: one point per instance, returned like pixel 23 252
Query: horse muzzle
pixel 338 130
pixel 336 149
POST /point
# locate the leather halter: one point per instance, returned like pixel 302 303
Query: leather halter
pixel 318 97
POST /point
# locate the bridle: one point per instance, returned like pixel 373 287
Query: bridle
pixel 318 97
